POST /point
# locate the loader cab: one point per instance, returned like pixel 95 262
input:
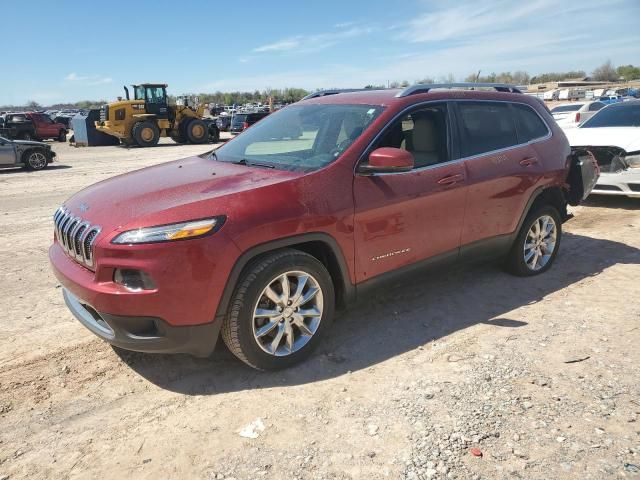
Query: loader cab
pixel 155 98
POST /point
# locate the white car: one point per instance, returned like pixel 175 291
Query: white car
pixel 569 115
pixel 613 137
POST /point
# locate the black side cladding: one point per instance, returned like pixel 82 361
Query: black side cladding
pixel 583 175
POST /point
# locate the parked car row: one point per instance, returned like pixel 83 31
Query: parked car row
pixel 240 121
pixel 31 126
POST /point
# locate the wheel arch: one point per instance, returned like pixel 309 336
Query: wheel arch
pixel 27 151
pixel 551 195
pixel 321 246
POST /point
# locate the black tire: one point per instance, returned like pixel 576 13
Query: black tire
pixel 178 138
pixel 146 134
pixel 62 136
pixel 35 159
pixel 515 262
pixel 238 326
pixel 196 131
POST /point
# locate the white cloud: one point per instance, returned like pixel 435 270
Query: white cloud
pixel 315 42
pixel 278 46
pixel 87 79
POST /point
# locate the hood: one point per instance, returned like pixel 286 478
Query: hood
pixel 171 192
pixel 31 143
pixel 627 138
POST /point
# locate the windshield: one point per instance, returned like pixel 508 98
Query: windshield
pixel 567 108
pixel 616 115
pixel 300 137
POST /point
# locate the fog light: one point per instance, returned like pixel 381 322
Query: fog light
pixel 133 280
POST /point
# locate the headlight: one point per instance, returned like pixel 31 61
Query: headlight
pixel 633 159
pixel 174 231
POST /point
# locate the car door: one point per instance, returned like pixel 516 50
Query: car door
pixel 42 130
pixel 7 152
pixel 502 169
pixel 406 217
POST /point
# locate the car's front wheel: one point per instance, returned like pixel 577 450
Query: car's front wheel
pixel 537 243
pixel 34 160
pixel 283 304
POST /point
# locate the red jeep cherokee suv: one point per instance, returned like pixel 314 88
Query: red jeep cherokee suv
pixel 262 238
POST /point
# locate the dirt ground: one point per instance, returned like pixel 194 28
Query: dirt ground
pixel 541 375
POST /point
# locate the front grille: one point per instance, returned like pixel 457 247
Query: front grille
pixel 75 235
pixel 634 187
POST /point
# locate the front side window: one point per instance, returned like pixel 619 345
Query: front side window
pixel 485 127
pixel 423 132
pixel 530 125
pixel 300 137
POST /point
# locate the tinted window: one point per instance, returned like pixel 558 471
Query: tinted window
pixel 486 126
pixel 595 106
pixel 615 115
pixel 423 133
pixel 530 125
pixel 567 108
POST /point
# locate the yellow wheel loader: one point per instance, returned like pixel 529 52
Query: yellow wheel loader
pixel 146 118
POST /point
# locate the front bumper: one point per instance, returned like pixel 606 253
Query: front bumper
pixel 144 334
pixel 624 183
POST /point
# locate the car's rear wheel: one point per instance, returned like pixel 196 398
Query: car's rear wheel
pixel 282 306
pixel 34 160
pixel 537 243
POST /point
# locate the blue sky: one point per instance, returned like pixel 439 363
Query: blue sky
pixel 76 50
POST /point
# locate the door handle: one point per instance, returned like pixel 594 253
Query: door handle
pixel 451 179
pixel 527 162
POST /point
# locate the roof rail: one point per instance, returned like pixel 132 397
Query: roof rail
pixel 323 93
pixel 424 88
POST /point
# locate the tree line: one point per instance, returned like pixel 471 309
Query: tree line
pixel 606 72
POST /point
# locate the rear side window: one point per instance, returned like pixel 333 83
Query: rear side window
pixel 595 106
pixel 486 126
pixel 530 125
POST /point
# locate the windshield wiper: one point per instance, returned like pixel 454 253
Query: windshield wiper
pixel 244 161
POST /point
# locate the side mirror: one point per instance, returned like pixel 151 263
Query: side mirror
pixel 388 160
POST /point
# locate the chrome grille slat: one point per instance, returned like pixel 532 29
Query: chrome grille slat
pixel 75 235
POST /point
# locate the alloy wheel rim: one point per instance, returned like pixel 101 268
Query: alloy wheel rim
pixel 540 242
pixel 37 160
pixel 288 313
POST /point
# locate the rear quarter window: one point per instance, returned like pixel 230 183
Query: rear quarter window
pixel 530 125
pixel 485 127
